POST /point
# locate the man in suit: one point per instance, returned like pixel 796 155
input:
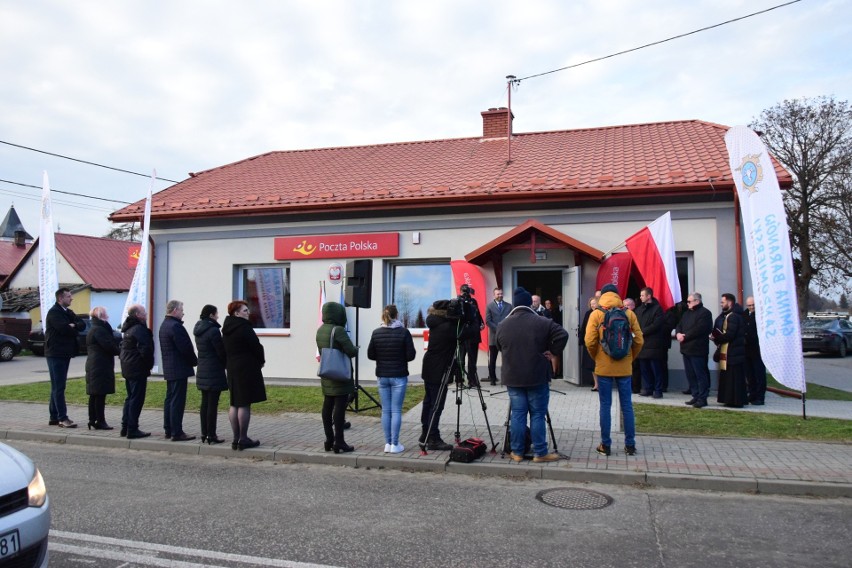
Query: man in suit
pixel 495 313
pixel 178 360
pixel 60 344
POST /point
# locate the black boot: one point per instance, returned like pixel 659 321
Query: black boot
pixel 435 443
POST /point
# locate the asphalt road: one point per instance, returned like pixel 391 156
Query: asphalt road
pixel 116 508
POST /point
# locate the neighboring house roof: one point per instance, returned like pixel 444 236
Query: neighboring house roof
pixel 11 224
pixel 10 255
pixel 670 160
pixel 25 299
pixel 101 263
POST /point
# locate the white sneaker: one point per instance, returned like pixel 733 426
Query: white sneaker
pixel 397 449
pixel 388 448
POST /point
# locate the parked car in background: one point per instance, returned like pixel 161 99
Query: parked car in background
pixel 9 347
pixel 36 340
pixel 827 335
pixel 25 518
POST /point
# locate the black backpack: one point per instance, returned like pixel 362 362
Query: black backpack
pixel 617 336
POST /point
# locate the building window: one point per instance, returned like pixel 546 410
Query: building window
pixel 414 286
pixel 685 272
pixel 266 290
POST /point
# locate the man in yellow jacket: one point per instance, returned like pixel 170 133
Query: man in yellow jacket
pixel 613 372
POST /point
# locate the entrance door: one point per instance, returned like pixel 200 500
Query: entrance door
pixel 571 323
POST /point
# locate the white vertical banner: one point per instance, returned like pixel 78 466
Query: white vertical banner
pixel 769 255
pixel 138 293
pixel 48 279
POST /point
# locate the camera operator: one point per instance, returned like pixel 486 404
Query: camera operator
pixel 471 319
pixel 444 340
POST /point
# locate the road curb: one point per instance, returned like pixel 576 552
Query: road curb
pixel 567 472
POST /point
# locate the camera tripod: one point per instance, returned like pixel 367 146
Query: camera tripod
pixel 456 373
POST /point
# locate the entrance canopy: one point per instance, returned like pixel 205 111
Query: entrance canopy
pixel 533 236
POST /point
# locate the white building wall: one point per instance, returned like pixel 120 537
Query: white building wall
pixel 201 266
pixel 27 275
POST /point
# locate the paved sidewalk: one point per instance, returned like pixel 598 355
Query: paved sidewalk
pixel 764 466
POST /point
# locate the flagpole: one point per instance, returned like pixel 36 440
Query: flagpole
pixel 613 249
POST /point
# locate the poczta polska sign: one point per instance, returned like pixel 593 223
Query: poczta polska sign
pixel 337 246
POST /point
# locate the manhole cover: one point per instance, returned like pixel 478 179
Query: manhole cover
pixel 577 499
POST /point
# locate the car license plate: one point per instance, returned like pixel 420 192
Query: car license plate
pixel 808 336
pixel 10 543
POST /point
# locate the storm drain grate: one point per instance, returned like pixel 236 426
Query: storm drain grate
pixel 577 499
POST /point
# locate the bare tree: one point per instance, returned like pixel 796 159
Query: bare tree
pixel 125 232
pixel 812 138
pixel 404 305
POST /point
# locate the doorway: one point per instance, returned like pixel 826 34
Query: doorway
pixel 546 283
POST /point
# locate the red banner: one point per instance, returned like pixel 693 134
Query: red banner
pixel 337 246
pixel 615 270
pixel 133 255
pixel 470 274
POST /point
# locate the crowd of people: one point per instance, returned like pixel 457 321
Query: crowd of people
pixel 230 357
pixel 527 333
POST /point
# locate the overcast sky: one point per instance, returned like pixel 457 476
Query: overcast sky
pixel 183 86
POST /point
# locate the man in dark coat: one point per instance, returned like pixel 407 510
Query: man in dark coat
pixel 137 359
pixel 60 344
pixel 527 343
pixel 178 360
pixel 651 321
pixel 755 369
pixel 729 337
pixel 693 334
pixel 440 367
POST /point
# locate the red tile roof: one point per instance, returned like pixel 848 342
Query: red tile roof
pixel 667 158
pixel 101 263
pixel 10 256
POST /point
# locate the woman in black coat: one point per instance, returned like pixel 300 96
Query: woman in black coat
pixel 391 347
pixel 245 359
pixel 101 348
pixel 210 373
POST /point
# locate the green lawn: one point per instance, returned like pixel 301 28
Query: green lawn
pixel 652 418
pixel 279 399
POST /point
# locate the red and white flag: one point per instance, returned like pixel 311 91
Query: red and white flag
pixel 653 253
pixel 319 316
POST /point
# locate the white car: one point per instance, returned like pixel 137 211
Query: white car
pixel 24 511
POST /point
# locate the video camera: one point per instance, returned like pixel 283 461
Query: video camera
pixel 463 307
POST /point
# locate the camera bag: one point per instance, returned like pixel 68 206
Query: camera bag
pixel 468 450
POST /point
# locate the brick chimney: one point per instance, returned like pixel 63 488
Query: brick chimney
pixel 495 122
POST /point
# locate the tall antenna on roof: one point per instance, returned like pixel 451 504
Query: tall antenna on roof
pixel 510 79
